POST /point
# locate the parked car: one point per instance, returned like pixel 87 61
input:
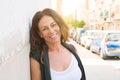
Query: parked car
pixel 108 45
pixel 87 37
pixel 72 32
pixel 79 32
pixel 95 44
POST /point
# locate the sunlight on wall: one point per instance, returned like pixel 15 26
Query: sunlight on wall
pixel 69 6
pixel 53 4
pixel 15 21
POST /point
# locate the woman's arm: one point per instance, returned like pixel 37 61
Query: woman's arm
pixel 35 70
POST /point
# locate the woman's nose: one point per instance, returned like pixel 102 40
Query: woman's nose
pixel 51 29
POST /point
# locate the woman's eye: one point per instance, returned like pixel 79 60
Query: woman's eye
pixel 44 29
pixel 53 25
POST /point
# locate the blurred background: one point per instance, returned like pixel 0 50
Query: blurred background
pixel 94 27
pixel 95 14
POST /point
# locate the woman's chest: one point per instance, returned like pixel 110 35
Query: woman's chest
pixel 60 62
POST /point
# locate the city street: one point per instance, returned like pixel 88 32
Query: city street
pixel 97 68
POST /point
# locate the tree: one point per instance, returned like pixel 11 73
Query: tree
pixel 81 24
pixel 75 23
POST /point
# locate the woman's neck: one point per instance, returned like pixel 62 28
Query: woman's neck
pixel 55 47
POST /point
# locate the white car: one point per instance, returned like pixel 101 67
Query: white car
pixel 87 37
pixel 108 45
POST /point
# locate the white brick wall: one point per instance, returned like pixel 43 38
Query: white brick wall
pixel 15 20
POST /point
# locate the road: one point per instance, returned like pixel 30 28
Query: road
pixel 97 68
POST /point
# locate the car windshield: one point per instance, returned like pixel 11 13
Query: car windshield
pixel 113 37
pixel 98 35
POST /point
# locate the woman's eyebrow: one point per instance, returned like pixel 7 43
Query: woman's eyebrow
pixel 42 27
pixel 50 24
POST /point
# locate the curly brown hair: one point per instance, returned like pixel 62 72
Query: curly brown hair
pixel 35 40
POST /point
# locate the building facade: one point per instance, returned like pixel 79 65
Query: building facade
pixel 105 14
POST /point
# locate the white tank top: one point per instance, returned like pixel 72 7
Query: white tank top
pixel 73 72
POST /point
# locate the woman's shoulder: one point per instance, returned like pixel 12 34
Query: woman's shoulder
pixel 70 46
pixel 35 55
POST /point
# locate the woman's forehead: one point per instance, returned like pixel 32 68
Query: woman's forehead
pixel 46 20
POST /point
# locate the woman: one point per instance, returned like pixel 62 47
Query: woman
pixel 51 58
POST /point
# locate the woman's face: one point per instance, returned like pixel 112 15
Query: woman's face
pixel 49 30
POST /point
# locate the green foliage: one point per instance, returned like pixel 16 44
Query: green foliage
pixel 75 23
pixel 81 23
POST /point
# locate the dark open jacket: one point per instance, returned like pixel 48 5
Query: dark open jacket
pixel 45 68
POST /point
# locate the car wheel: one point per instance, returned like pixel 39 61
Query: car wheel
pixel 102 55
pixel 91 49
